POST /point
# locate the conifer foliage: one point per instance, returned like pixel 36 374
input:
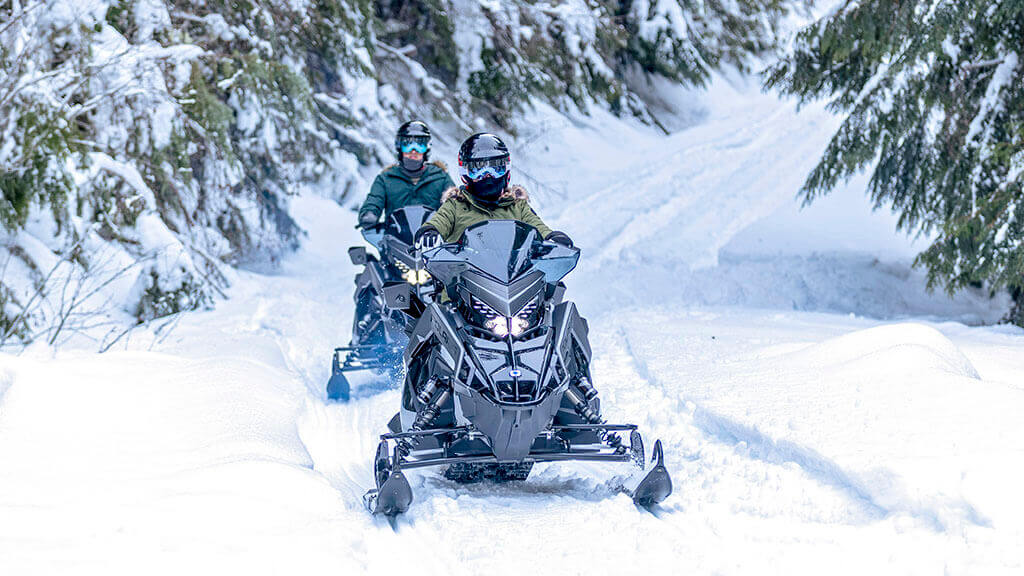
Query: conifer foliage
pixel 934 91
pixel 146 145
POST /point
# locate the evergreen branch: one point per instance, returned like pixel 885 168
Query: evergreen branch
pixel 981 65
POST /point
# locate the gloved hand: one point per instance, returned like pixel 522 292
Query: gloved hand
pixel 367 220
pixel 426 238
pixel 560 238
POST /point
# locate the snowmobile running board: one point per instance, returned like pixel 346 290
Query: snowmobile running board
pixel 470 432
pixel 589 452
pixel 393 494
pixel 349 359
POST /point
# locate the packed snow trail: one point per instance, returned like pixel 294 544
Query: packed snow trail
pixel 218 452
pixel 798 441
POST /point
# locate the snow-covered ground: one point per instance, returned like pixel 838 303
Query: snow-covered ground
pixel 820 411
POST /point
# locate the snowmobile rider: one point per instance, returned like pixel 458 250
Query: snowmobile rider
pixel 414 180
pixel 484 165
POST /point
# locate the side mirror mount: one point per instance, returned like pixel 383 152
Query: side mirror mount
pixel 397 295
pixel 556 292
pixel 357 254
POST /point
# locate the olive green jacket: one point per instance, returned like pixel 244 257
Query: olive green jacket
pixel 393 189
pixel 460 211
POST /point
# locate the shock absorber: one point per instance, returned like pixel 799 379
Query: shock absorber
pixel 580 395
pixel 431 410
pixel 589 392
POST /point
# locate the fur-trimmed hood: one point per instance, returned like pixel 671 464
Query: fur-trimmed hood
pixel 513 192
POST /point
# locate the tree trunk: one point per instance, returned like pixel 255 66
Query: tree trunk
pixel 1016 313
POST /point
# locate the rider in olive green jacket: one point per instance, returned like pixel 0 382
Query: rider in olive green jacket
pixel 412 181
pixel 485 195
pixel 460 210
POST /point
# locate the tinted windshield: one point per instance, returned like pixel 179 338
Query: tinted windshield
pixel 404 222
pixel 503 250
pixel 402 225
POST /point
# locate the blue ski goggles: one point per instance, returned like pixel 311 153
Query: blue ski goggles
pixel 491 167
pixel 420 145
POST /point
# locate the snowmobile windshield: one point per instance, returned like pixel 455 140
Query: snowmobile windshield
pixel 504 250
pixel 373 236
pixel 403 223
pixel 399 232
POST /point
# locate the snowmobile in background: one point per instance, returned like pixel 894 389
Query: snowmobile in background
pixel 379 333
pixel 498 376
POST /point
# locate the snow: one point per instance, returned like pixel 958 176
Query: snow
pixel 151 16
pixel 950 49
pixel 821 412
pixel 128 173
pixel 993 101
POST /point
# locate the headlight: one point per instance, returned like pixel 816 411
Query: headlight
pixel 501 325
pixel 414 277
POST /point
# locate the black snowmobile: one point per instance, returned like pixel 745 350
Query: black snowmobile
pixel 379 333
pixel 498 376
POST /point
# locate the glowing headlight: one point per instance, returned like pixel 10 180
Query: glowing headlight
pixel 414 277
pixel 498 325
pixel 501 325
pixel 518 325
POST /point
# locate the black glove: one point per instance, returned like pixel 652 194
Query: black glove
pixel 427 237
pixel 367 220
pixel 560 238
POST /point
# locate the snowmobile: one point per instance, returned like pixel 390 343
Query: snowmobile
pixel 379 333
pixel 498 374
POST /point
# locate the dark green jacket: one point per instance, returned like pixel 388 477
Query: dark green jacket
pixel 460 211
pixel 392 189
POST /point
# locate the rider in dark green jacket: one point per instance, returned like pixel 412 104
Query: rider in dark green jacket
pixel 413 180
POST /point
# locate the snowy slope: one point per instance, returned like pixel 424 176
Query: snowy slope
pixel 806 431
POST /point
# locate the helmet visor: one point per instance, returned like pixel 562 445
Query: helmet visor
pixel 414 144
pixel 491 167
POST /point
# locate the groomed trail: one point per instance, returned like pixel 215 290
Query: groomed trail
pixel 801 438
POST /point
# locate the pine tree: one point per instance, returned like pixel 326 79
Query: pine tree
pixel 934 96
pixel 686 39
pixel 169 132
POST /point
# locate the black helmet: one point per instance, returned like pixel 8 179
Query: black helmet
pixel 413 131
pixel 485 166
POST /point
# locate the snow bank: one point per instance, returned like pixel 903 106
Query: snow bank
pixel 132 460
pixel 893 417
pixel 895 346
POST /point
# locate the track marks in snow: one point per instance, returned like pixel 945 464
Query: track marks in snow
pixel 716 408
pixel 881 495
pixel 696 189
pixel 712 469
pixel 342 440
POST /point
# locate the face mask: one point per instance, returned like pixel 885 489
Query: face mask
pixel 412 165
pixel 487 190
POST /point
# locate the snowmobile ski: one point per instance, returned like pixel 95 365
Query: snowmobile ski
pixel 393 494
pixel 656 484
